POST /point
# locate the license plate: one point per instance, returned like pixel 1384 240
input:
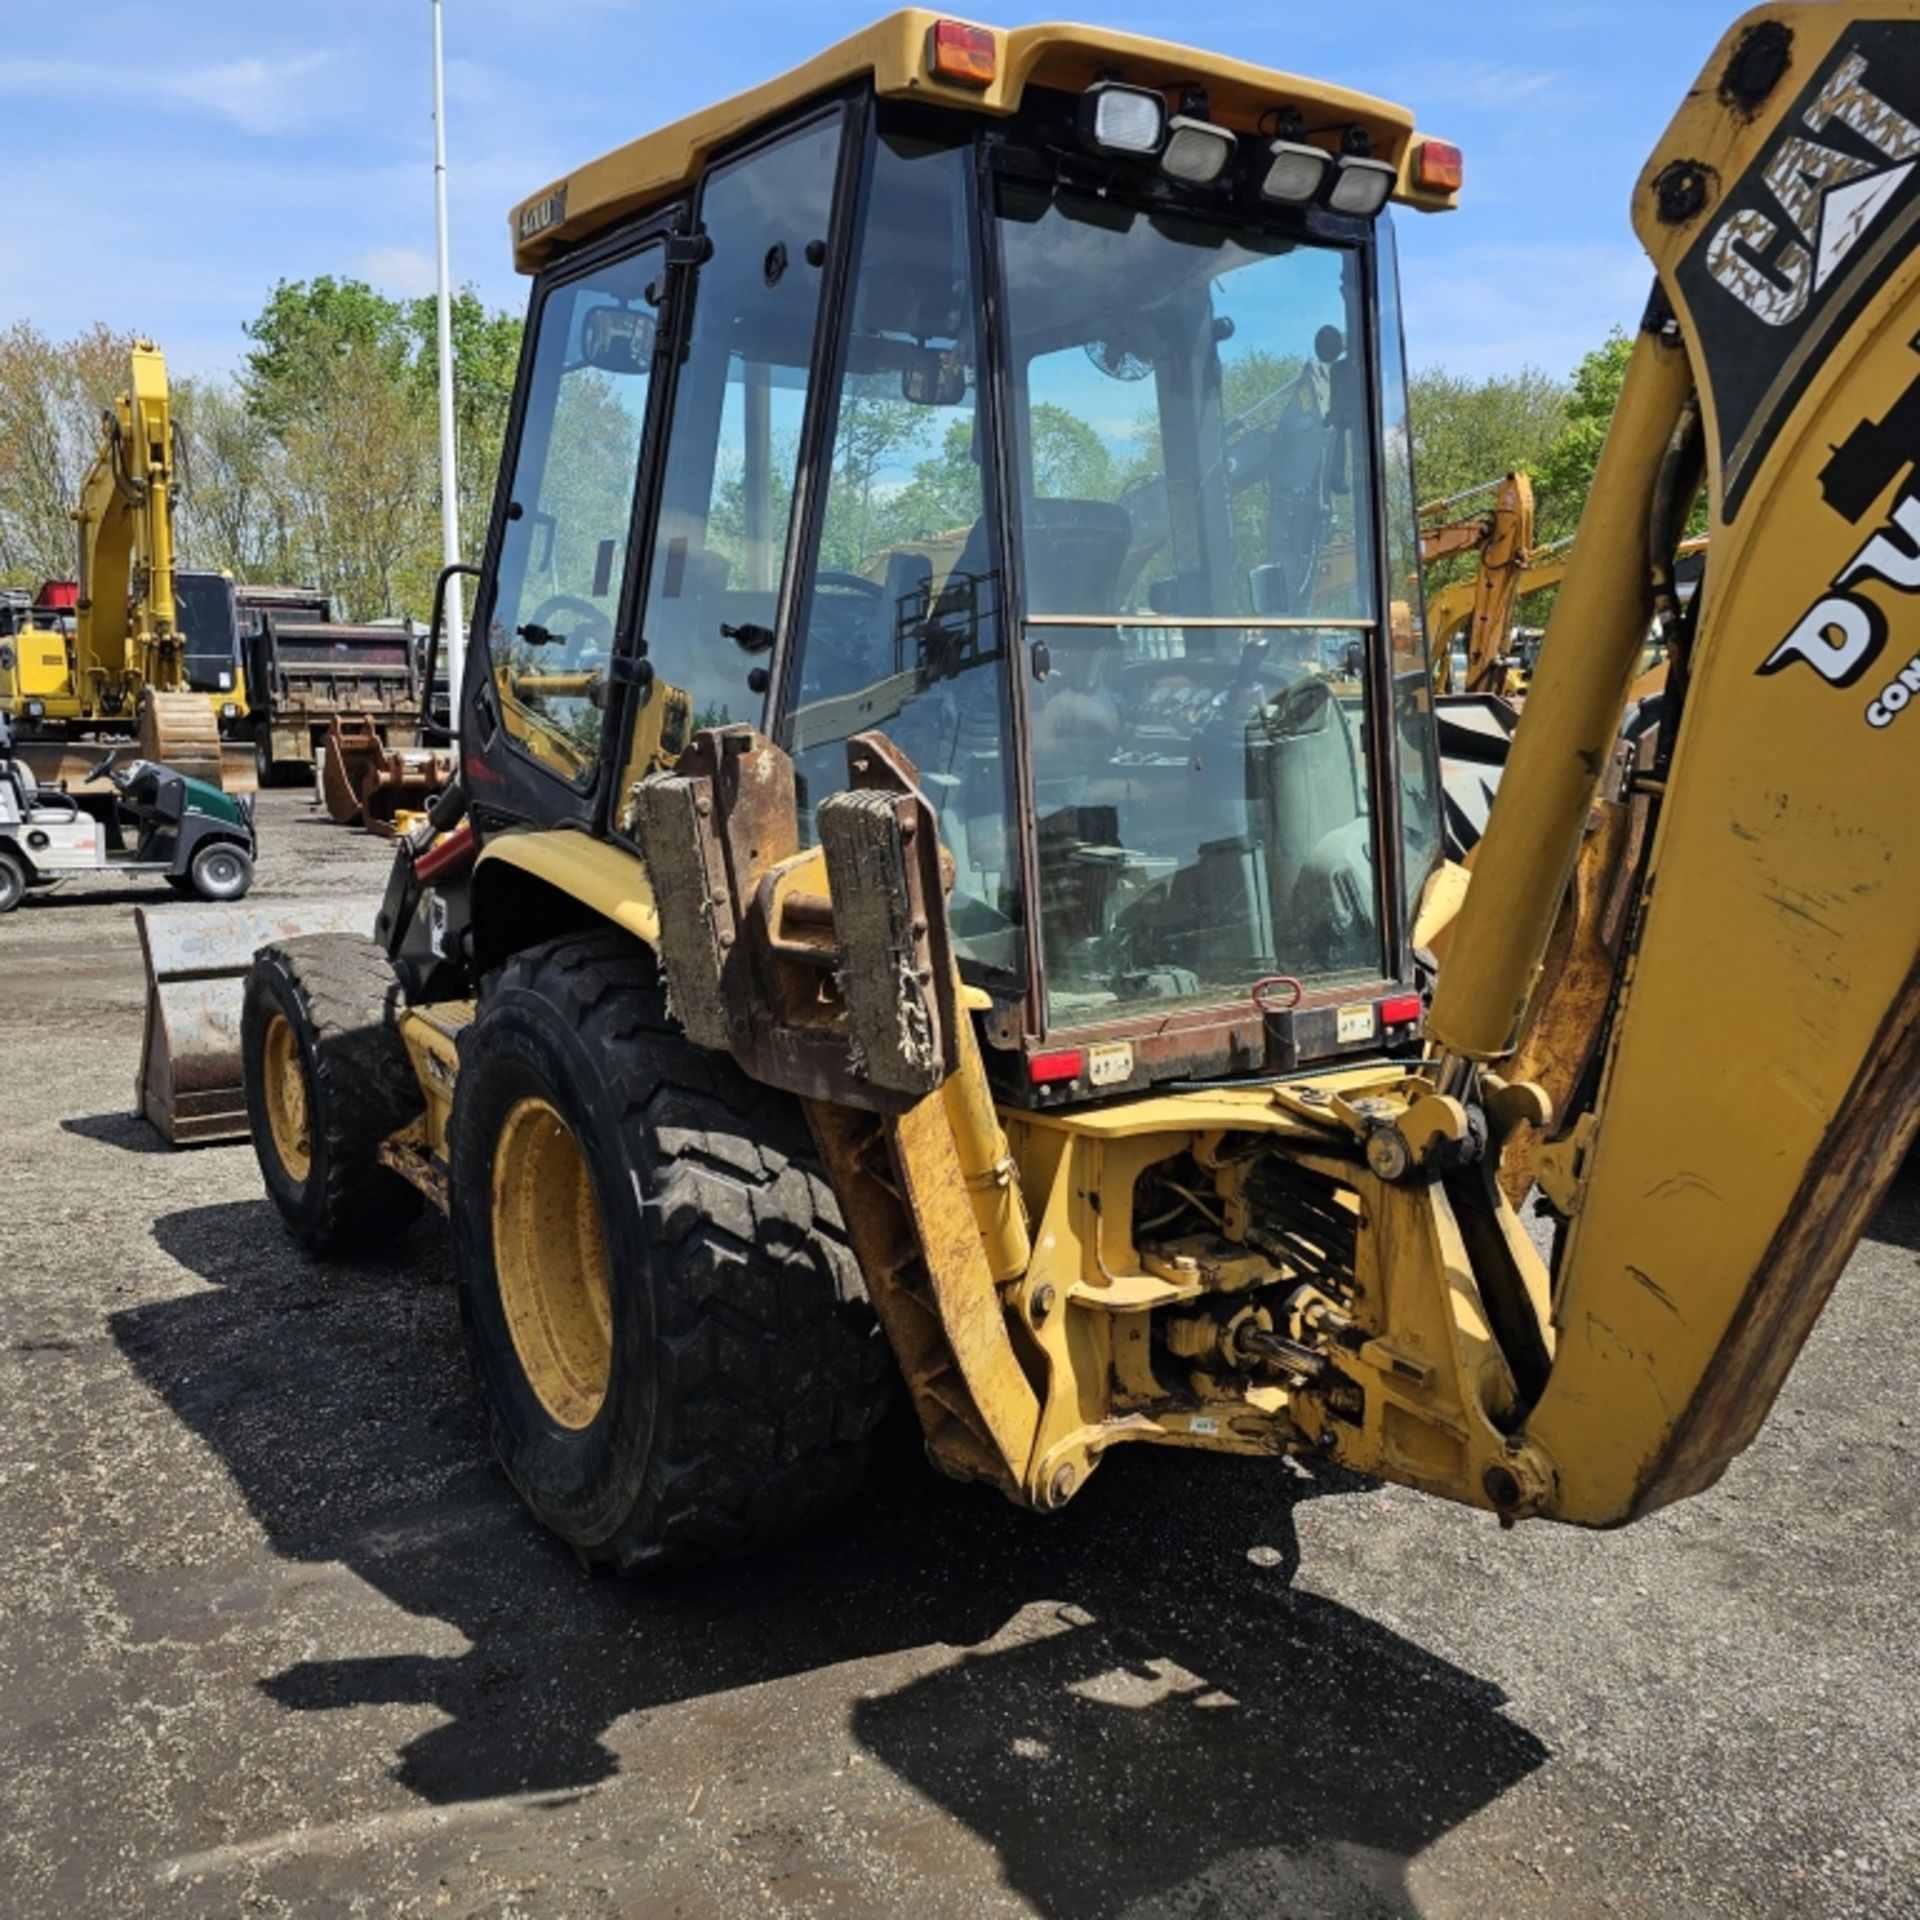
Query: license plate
pixel 1354 1024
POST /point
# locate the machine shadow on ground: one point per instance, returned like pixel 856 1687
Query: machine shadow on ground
pixel 130 1132
pixel 1165 1706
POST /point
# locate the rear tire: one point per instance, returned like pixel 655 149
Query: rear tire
pixel 220 871
pixel 669 1329
pixel 13 880
pixel 327 1080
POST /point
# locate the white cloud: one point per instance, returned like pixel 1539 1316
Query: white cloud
pixel 402 270
pixel 1471 84
pixel 1498 307
pixel 257 96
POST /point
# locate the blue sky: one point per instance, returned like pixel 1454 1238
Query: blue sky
pixel 165 164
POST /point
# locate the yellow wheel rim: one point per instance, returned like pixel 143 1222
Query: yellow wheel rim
pixel 551 1262
pixel 286 1090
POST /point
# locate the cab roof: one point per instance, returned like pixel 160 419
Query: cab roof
pixel 895 55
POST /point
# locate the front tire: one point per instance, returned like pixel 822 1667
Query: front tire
pixel 13 880
pixel 327 1080
pixel 668 1326
pixel 220 871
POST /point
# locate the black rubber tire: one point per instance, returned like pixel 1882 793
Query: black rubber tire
pixel 13 879
pixel 221 871
pixel 338 993
pixel 747 1371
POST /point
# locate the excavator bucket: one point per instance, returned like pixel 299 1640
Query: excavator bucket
pixel 184 738
pixel 180 731
pixel 366 783
pixel 196 958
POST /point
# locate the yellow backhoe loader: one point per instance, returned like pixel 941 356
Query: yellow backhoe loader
pixel 153 653
pixel 1007 994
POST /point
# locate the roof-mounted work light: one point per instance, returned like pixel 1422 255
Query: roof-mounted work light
pixel 1295 173
pixel 1114 118
pixel 1361 186
pixel 1197 152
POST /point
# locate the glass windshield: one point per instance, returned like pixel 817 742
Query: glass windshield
pixel 203 605
pixel 901 630
pixel 1193 530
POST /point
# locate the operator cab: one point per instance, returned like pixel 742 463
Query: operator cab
pixel 1065 443
pixel 209 622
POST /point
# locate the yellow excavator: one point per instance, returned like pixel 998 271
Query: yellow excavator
pixel 1061 1056
pixel 1501 538
pixel 153 650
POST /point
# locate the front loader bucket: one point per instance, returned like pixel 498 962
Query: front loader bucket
pixel 196 958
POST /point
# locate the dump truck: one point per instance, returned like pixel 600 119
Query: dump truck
pixel 1057 1052
pixel 152 651
pixel 304 668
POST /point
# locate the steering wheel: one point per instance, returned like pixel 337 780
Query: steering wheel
pixel 571 603
pixel 102 768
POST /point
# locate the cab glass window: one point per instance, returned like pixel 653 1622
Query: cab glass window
pixel 563 556
pixel 902 627
pixel 719 551
pixel 1420 802
pixel 1199 596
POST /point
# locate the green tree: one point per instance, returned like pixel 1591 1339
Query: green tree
pixel 1566 468
pixel 342 380
pixel 1466 432
pixel 52 394
pixel 233 501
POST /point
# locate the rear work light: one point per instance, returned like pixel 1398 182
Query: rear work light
pixel 1113 118
pixel 1438 167
pixel 1295 173
pixel 1362 186
pixel 967 55
pixel 1051 1069
pixel 1197 151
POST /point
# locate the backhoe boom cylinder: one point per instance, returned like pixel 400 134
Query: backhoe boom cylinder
pixel 1574 708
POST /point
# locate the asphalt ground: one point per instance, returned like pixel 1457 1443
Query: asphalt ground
pixel 275 1638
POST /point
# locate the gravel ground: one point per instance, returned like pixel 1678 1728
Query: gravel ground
pixel 275 1638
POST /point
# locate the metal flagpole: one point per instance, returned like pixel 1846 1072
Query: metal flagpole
pixel 449 490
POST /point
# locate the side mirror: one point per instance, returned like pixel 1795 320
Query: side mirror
pixel 431 673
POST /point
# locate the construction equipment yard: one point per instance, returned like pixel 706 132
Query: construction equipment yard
pixel 275 1637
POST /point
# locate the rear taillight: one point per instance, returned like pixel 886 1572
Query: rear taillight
pixel 1052 1069
pixel 965 54
pixel 1438 167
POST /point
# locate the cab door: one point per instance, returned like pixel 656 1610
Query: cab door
pixel 551 633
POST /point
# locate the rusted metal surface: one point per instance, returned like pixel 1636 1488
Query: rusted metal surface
pixel 196 958
pixel 759 960
pixel 367 782
pixel 1568 1012
pixel 977 1412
